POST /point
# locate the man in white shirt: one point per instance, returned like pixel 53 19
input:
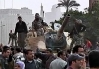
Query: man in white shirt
pixel 18 53
pixel 59 62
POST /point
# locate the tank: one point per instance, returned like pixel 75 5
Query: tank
pixel 52 42
pixel 52 39
pixel 57 39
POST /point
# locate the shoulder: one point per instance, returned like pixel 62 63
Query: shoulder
pixel 63 63
pixel 54 62
pixel 23 22
pixel 41 18
pixel 37 63
pixel 17 23
pixel 33 21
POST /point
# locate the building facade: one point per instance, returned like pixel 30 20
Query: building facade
pixel 55 14
pixel 8 20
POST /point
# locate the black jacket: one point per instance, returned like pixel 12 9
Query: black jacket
pixel 21 27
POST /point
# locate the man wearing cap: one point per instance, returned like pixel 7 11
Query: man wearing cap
pixel 21 29
pixel 46 58
pixel 75 61
pixel 77 33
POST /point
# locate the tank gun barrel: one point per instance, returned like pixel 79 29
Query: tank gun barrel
pixel 64 23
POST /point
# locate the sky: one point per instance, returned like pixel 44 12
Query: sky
pixel 35 4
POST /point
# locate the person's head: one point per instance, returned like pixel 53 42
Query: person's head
pixel 20 18
pixel 10 31
pixel 62 55
pixel 37 15
pixel 58 49
pixel 29 54
pixel 68 51
pixel 19 65
pixel 49 51
pixel 6 52
pixel 12 50
pixel 94 59
pixel 75 60
pixel 5 47
pixel 17 50
pixel 78 49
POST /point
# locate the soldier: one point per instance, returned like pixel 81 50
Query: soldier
pixel 21 28
pixel 37 25
pixel 12 38
pixel 77 33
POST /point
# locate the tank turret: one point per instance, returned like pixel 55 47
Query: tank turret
pixel 57 39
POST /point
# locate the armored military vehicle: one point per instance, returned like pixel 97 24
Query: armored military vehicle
pixel 51 39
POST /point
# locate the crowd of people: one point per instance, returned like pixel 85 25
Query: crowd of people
pixel 16 58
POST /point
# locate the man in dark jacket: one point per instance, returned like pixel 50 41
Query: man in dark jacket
pixel 46 58
pixel 21 29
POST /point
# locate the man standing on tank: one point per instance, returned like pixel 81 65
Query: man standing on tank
pixel 77 33
pixel 21 29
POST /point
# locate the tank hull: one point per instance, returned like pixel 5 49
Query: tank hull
pixel 53 43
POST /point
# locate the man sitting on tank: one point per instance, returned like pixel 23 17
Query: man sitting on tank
pixel 37 25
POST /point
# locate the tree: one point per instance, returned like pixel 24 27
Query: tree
pixel 91 20
pixel 68 4
pixel 94 17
